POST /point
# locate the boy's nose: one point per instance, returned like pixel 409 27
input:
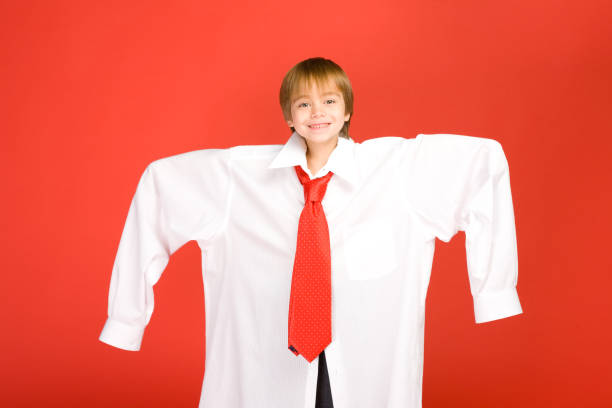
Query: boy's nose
pixel 317 111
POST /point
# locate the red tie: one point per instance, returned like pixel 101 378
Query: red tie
pixel 310 301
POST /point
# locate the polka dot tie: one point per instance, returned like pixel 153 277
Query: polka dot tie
pixel 310 300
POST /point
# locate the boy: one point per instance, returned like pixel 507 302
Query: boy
pixel 320 248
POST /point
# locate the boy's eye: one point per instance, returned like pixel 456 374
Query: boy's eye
pixel 326 101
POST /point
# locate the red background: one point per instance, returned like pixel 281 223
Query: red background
pixel 91 92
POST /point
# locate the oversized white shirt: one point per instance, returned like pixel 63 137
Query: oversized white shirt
pixel 387 201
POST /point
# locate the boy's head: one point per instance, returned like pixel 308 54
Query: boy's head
pixel 321 76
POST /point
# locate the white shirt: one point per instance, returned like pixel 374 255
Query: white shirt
pixel 388 200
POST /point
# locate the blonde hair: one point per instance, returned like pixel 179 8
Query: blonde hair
pixel 321 71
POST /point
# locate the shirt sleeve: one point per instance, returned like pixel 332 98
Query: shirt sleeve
pixel 177 199
pixel 462 183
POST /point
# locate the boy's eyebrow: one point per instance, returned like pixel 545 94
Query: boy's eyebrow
pixel 326 93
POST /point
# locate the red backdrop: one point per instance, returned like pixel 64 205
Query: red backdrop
pixel 91 92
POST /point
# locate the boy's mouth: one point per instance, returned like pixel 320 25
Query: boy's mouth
pixel 318 125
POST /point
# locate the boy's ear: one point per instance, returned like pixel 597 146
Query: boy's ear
pixel 347 116
pixel 290 123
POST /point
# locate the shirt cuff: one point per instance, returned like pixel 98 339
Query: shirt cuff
pixel 496 305
pixel 121 335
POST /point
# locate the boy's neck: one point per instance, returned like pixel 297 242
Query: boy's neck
pixel 317 154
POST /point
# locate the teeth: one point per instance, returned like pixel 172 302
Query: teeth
pixel 318 126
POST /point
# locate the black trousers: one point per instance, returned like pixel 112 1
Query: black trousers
pixel 324 396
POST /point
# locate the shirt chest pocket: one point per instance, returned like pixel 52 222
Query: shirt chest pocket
pixel 370 250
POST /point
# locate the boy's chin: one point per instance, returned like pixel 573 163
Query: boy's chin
pixel 319 138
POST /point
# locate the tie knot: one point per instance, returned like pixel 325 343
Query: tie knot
pixel 314 190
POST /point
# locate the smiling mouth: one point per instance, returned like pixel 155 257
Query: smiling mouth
pixel 319 126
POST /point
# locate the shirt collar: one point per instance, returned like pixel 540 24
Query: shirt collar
pixel 340 162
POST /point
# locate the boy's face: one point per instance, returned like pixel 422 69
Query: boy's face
pixel 318 114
